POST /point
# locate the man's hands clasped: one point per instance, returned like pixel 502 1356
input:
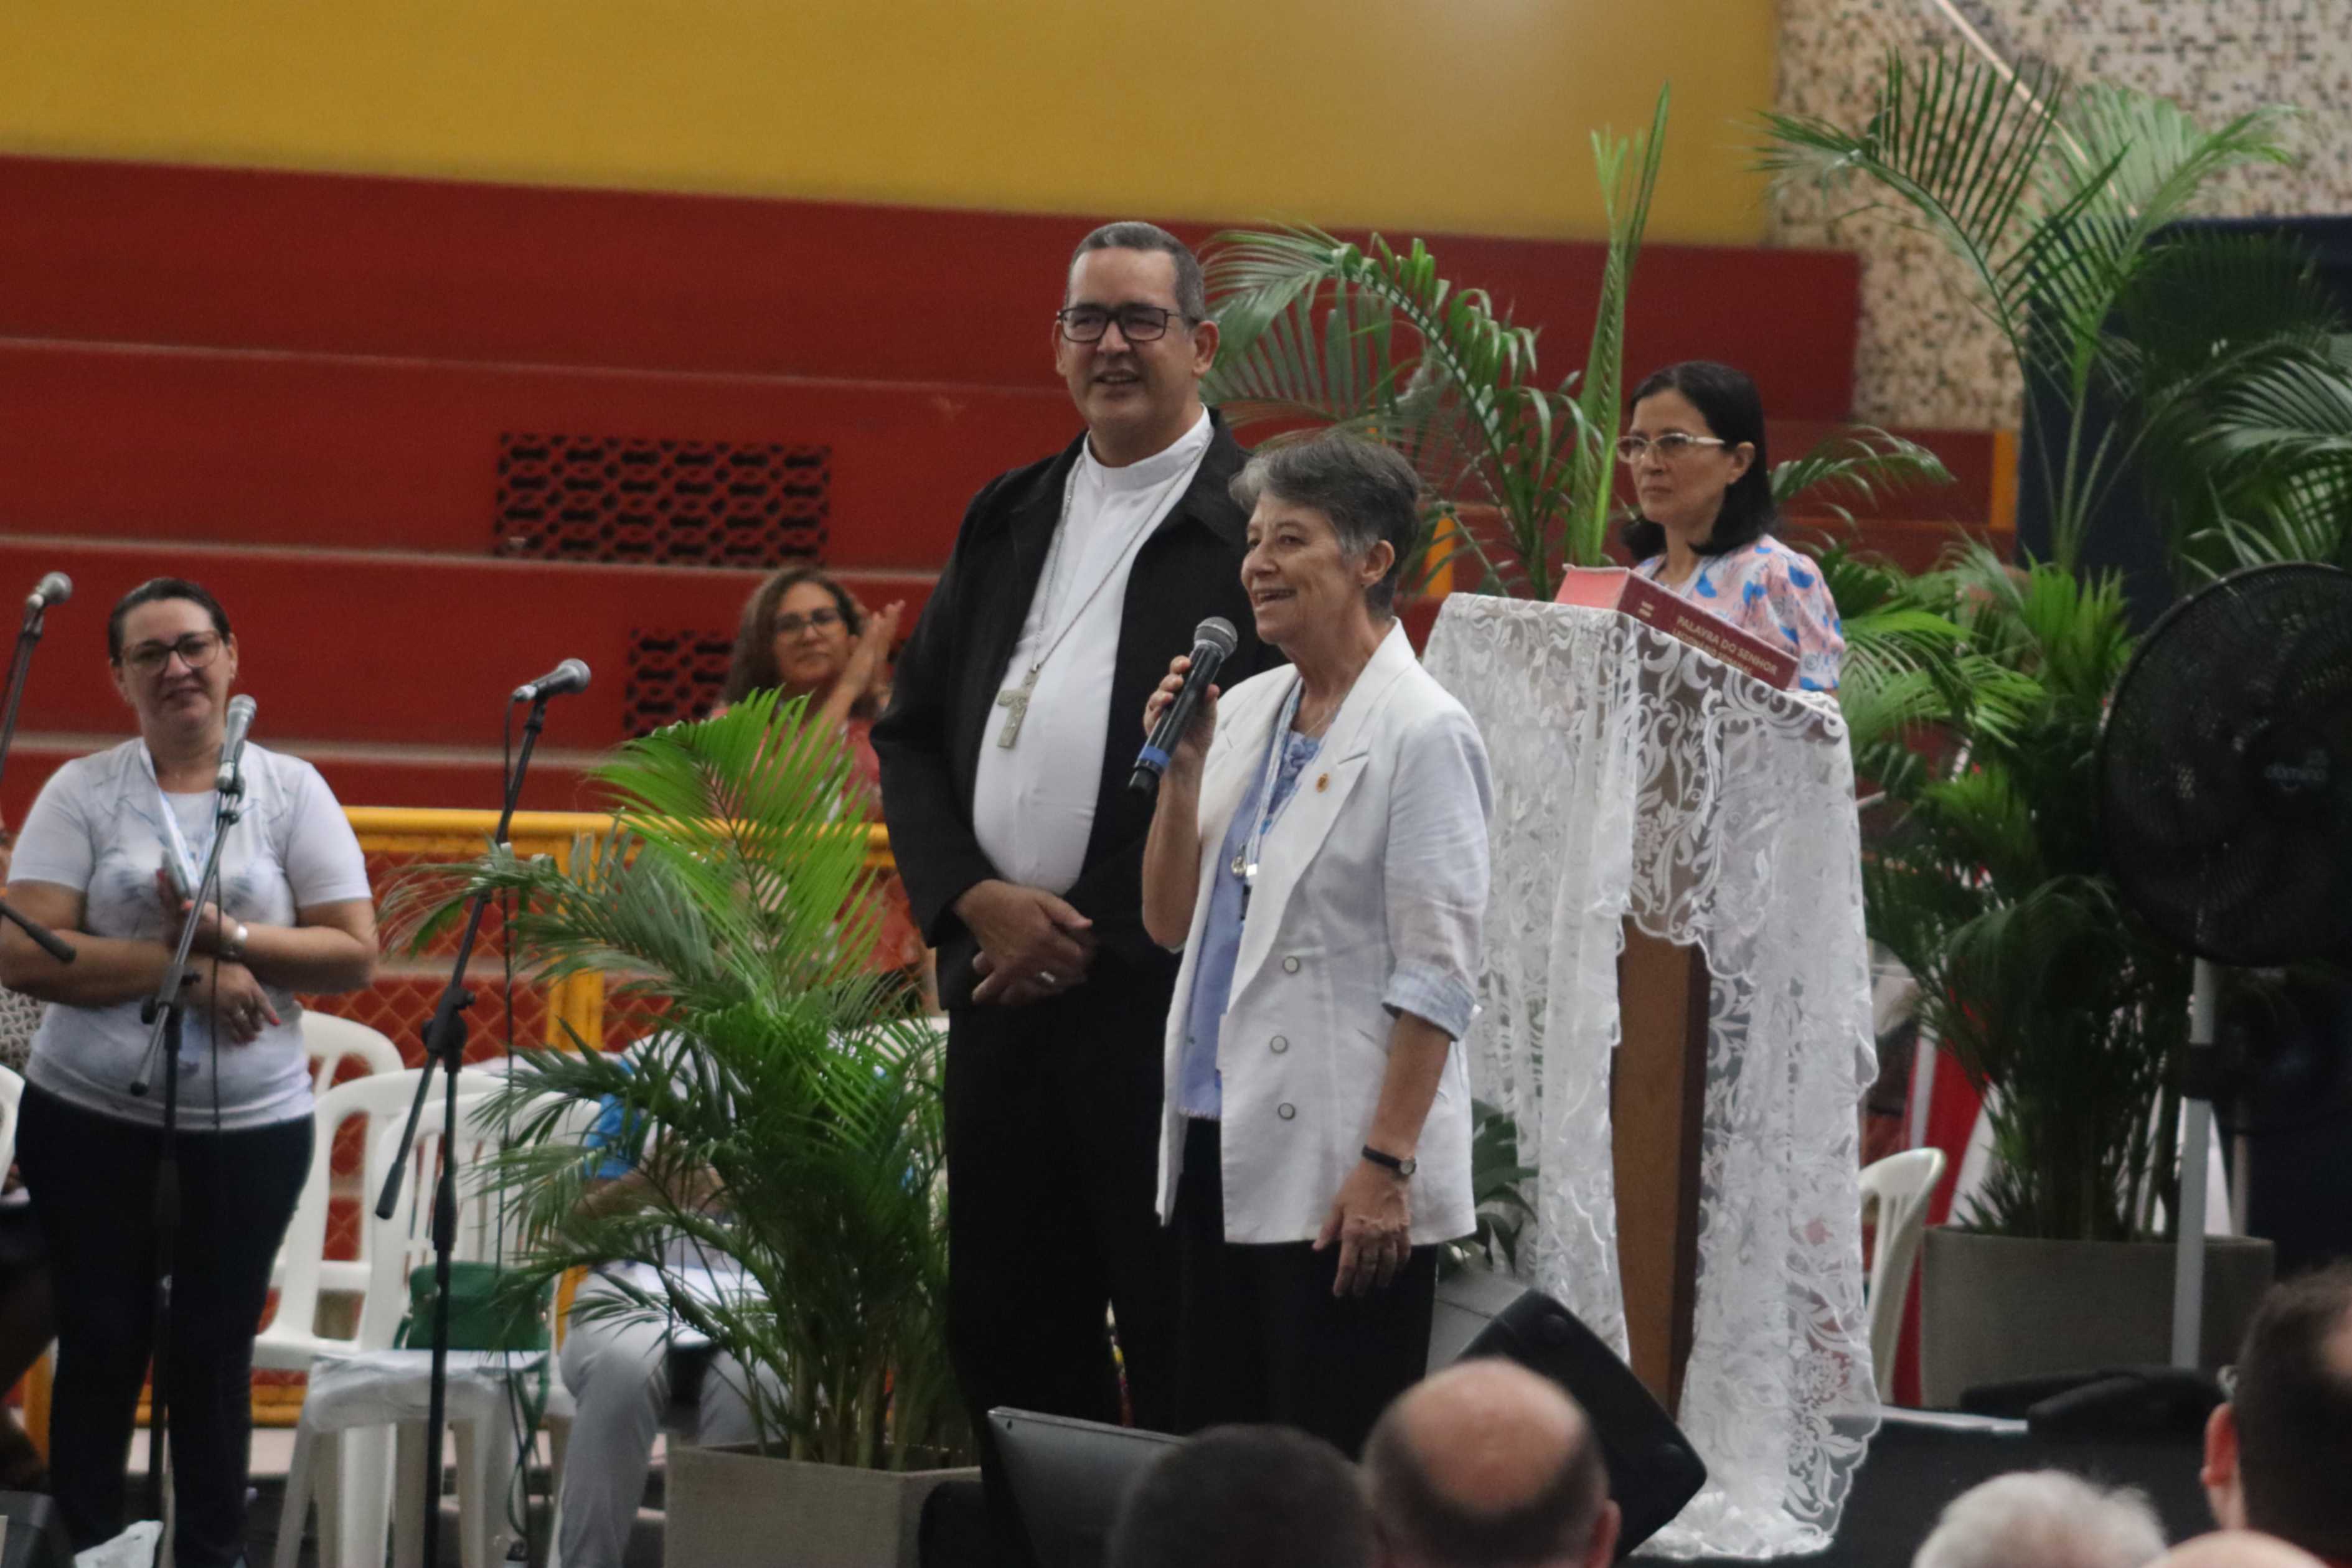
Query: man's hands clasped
pixel 1033 945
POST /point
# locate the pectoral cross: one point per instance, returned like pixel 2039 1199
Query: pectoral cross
pixel 1015 700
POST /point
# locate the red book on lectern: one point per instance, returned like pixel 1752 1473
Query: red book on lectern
pixel 1615 588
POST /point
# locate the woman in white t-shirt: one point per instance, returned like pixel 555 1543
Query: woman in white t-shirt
pixel 96 861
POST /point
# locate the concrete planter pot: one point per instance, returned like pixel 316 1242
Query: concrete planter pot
pixel 1993 1307
pixel 729 1509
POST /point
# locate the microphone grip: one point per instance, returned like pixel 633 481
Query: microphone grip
pixel 1160 750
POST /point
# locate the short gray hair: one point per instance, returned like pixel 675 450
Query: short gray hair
pixel 1367 490
pixel 2043 1518
pixel 1132 233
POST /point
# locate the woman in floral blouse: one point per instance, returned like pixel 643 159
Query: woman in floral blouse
pixel 1704 492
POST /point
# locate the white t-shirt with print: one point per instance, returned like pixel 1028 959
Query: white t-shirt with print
pixel 99 829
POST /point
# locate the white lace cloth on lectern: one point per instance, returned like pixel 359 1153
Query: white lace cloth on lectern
pixel 1634 775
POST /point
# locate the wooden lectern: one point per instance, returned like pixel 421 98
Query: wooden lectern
pixel 1657 1087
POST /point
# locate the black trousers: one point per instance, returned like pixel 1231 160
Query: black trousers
pixel 1053 1129
pixel 93 1183
pixel 1261 1338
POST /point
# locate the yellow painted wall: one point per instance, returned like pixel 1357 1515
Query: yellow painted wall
pixel 1419 115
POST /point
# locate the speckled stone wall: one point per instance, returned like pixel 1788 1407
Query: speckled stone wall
pixel 1927 356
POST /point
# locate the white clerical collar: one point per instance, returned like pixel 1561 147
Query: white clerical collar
pixel 1178 458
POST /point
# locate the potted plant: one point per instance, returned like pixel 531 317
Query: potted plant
pixel 784 1112
pixel 2061 1008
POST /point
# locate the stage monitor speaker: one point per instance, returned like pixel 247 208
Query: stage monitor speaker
pixel 1068 1476
pixel 36 1535
pixel 1653 1472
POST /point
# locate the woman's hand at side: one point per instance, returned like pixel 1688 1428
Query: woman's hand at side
pixel 1191 746
pixel 1371 1220
pixel 229 992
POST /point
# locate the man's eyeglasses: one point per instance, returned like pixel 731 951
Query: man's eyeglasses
pixel 1674 443
pixel 196 650
pixel 793 625
pixel 1136 323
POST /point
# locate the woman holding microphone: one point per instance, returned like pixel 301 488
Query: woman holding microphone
pixel 1320 854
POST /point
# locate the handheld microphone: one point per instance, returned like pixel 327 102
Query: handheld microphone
pixel 1212 640
pixel 570 676
pixel 230 780
pixel 55 589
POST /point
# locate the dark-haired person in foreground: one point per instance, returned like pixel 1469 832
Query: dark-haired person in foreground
pixel 1486 1465
pixel 95 862
pixel 2278 1455
pixel 1321 855
pixel 1245 1496
pixel 1005 754
pixel 1703 492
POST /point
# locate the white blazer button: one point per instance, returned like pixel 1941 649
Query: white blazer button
pixel 1285 1110
pixel 1278 1044
pixel 1290 965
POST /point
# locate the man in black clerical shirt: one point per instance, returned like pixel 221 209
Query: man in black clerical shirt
pixel 1017 711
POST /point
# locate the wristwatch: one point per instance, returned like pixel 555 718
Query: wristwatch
pixel 1404 1167
pixel 234 948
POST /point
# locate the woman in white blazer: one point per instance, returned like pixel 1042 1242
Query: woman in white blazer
pixel 1320 854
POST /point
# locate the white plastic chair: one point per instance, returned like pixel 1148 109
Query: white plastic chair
pixel 343 1456
pixel 12 1095
pixel 1900 1184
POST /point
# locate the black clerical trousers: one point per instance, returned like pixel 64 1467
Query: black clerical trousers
pixel 1053 1125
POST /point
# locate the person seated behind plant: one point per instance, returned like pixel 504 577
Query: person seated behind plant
pixel 626 1369
pixel 1703 489
pixel 805 635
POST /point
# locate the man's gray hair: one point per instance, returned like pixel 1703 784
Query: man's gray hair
pixel 2043 1518
pixel 1132 233
pixel 1367 490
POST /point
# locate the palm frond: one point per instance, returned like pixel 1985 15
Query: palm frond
pixel 1859 465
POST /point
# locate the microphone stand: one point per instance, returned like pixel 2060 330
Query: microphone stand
pixel 162 1013
pixel 444 1047
pixel 37 612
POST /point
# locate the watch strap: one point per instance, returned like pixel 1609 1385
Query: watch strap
pixel 1388 1162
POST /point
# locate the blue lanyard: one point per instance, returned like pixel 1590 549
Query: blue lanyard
pixel 1245 865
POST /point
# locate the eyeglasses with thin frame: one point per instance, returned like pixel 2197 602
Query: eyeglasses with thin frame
pixel 1674 443
pixel 793 625
pixel 196 650
pixel 1136 323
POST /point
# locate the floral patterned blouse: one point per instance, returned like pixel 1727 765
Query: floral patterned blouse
pixel 1771 591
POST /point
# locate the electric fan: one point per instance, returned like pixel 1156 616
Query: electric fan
pixel 2225 794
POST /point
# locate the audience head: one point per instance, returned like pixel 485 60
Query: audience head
pixel 1486 1465
pixel 174 657
pixel 2278 1456
pixel 2043 1518
pixel 1133 338
pixel 1715 497
pixel 2237 1549
pixel 1331 519
pixel 1245 1496
pixel 795 636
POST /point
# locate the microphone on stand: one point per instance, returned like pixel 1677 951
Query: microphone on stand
pixel 570 676
pixel 53 589
pixel 1213 641
pixel 230 780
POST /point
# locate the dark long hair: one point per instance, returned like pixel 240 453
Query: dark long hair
pixel 753 667
pixel 1733 413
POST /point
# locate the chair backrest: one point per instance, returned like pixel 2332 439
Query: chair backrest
pixel 331 1040
pixel 1900 1184
pixel 303 1268
pixel 405 1242
pixel 12 1095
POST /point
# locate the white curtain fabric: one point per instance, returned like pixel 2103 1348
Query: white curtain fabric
pixel 1634 775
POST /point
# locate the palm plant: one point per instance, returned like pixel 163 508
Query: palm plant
pixel 1991 889
pixel 2058 200
pixel 784 1118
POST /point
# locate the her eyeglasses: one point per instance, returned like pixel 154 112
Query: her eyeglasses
pixel 793 625
pixel 196 650
pixel 1674 443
